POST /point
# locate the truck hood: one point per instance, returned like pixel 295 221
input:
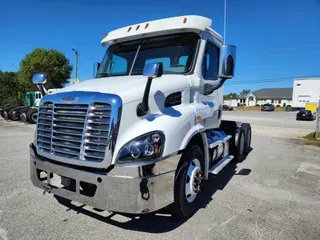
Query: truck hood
pixel 129 88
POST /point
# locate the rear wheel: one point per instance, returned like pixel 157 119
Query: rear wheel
pixel 5 115
pixel 23 114
pixel 11 112
pixel 188 184
pixel 247 131
pixel 238 149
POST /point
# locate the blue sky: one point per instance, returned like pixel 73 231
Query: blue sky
pixel 257 27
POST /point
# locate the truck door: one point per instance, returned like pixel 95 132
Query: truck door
pixel 210 68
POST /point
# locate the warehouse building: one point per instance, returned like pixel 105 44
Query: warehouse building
pixel 305 90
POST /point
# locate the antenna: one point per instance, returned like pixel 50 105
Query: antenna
pixel 225 22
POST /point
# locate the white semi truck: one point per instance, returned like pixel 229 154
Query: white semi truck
pixel 146 132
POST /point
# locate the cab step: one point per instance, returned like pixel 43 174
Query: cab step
pixel 220 165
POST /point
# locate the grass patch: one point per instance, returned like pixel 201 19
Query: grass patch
pixel 311 141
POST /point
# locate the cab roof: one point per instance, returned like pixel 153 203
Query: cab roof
pixel 189 23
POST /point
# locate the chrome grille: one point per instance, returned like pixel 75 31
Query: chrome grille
pixel 76 131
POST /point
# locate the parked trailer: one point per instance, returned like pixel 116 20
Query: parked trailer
pixel 32 100
pixel 121 144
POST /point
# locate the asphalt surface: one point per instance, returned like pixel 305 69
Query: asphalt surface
pixel 273 194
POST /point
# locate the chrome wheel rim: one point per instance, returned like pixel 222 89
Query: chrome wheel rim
pixel 23 117
pixel 34 117
pixel 193 180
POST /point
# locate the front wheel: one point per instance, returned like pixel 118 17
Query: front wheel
pixel 189 183
pixel 32 116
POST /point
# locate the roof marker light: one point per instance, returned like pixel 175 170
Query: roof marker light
pixel 147 25
pixel 129 29
pixel 137 27
pixel 105 35
pixel 185 20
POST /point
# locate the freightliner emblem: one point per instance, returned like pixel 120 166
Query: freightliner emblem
pixel 69 99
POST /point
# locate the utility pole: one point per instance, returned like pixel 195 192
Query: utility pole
pixel 76 61
pixel 225 22
pixel 316 135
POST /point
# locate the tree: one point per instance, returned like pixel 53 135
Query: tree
pixel 230 96
pixel 11 92
pixel 52 62
pixel 245 92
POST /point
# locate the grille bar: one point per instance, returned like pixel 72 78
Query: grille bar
pixel 74 131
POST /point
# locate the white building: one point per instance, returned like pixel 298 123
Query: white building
pixel 305 90
pixel 231 103
pixel 275 96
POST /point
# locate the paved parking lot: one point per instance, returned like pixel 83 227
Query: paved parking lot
pixel 273 194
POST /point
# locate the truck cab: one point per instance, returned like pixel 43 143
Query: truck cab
pixel 147 130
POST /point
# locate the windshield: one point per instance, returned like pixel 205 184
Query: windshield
pixel 176 52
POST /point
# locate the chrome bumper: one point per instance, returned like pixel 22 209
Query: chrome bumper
pixel 123 189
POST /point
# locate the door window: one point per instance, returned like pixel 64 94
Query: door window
pixel 210 63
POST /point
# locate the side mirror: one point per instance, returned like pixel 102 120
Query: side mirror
pixel 227 61
pixel 39 78
pixel 153 70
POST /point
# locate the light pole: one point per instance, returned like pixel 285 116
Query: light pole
pixel 316 134
pixel 225 22
pixel 76 61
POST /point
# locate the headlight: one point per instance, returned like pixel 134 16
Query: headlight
pixel 146 147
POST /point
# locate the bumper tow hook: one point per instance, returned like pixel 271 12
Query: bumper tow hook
pixel 46 190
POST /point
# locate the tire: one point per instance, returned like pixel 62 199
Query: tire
pixel 191 164
pixel 10 113
pixel 32 115
pixel 5 115
pixel 23 114
pixel 248 133
pixel 14 113
pixel 238 149
pixel 6 111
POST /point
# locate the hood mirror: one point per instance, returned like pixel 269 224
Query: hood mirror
pixel 153 70
pixel 39 78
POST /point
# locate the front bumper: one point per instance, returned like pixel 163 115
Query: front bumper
pixel 123 189
pixel 305 117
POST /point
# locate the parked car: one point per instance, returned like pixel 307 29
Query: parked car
pixel 227 108
pixel 267 107
pixel 305 115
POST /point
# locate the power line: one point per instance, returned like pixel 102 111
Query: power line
pixel 284 49
pixel 270 67
pixel 269 80
pixel 81 55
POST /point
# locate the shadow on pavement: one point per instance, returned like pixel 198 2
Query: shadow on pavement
pixel 162 221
